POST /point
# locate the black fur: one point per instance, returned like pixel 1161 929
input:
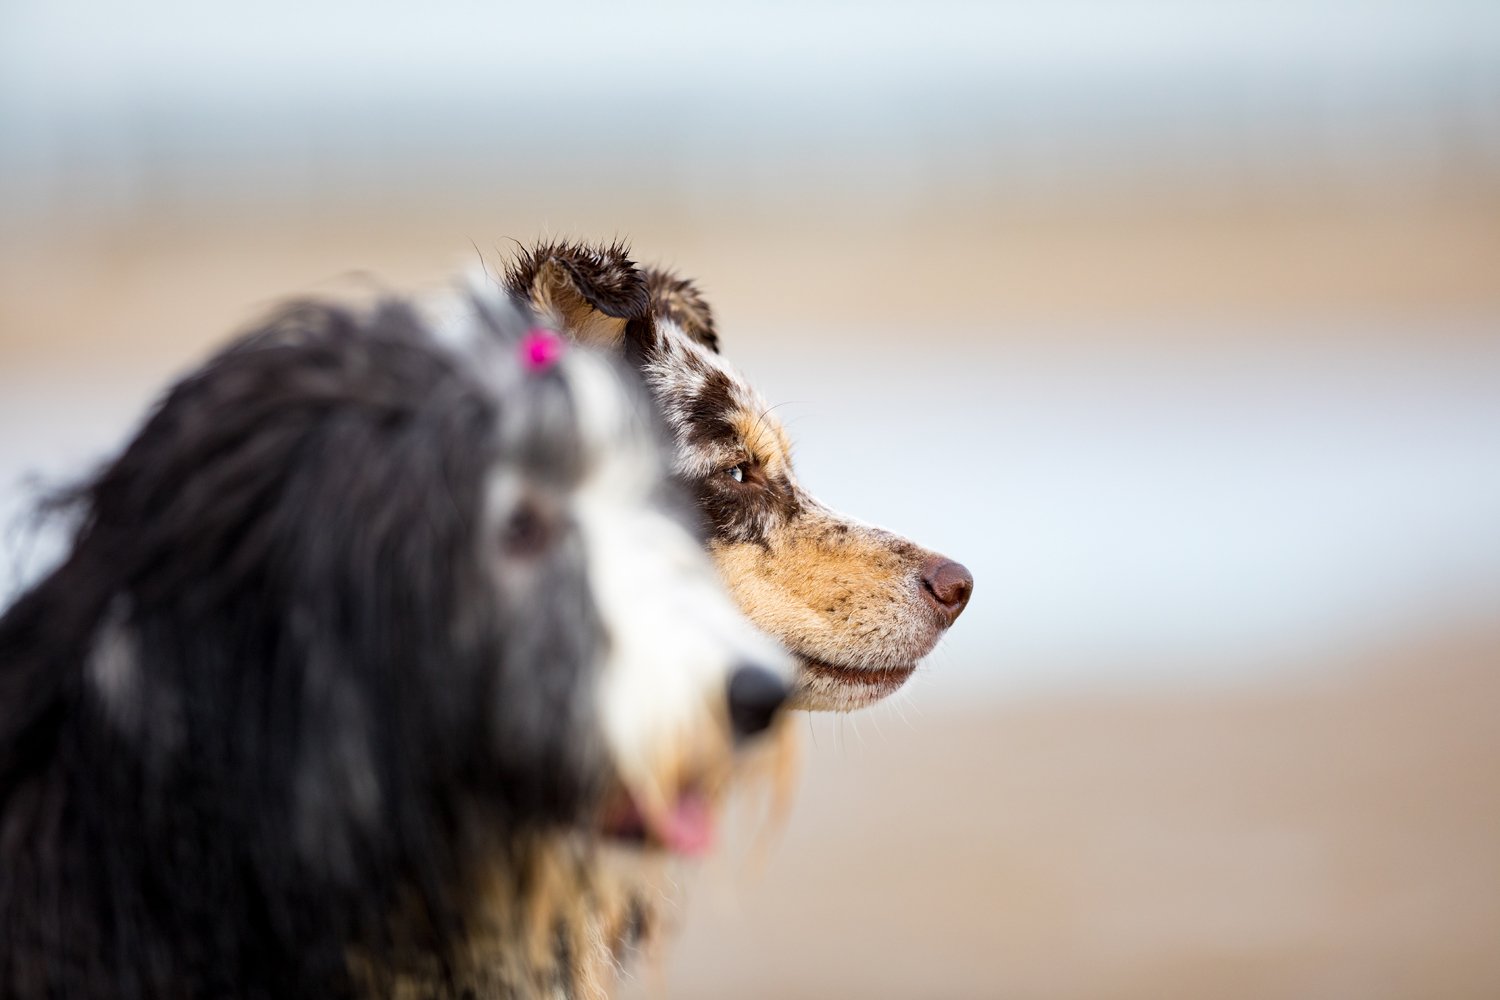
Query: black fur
pixel 607 279
pixel 678 299
pixel 744 511
pixel 294 677
pixel 604 276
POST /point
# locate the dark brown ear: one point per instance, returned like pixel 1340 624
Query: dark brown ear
pixel 679 300
pixel 589 291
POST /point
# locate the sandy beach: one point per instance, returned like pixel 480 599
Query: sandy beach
pixel 1153 263
pixel 1337 837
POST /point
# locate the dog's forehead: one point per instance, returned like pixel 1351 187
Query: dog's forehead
pixel 538 427
pixel 711 408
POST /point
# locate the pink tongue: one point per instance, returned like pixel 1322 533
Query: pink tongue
pixel 689 827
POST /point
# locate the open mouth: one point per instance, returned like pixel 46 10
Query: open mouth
pixel 879 680
pixel 685 826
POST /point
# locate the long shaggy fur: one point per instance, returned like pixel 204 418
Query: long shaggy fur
pixel 313 706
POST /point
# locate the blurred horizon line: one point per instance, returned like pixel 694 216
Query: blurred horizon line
pixel 301 103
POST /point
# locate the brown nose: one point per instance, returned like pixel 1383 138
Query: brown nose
pixel 948 585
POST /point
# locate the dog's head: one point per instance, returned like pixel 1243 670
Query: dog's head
pixel 676 665
pixel 857 605
pixel 376 590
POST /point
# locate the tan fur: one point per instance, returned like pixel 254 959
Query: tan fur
pixel 571 889
pixel 840 595
pixel 847 598
pixel 555 297
pixel 609 903
pixel 764 440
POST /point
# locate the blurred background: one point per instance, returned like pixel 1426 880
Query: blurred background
pixel 1178 323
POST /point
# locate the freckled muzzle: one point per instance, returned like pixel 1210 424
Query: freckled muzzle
pixel 857 605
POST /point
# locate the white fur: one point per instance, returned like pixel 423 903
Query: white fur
pixel 448 316
pixel 674 635
pixel 114 669
pixel 675 383
pixel 671 656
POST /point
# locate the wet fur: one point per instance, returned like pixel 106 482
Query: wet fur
pixel 300 714
pixel 844 596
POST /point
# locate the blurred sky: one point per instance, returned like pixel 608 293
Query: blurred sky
pixel 190 99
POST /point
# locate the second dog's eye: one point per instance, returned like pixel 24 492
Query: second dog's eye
pixel 747 473
pixel 527 532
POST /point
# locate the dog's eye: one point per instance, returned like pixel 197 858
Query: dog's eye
pixel 738 472
pixel 527 532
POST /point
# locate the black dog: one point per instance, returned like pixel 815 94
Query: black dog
pixel 376 625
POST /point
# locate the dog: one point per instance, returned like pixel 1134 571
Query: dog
pixel 857 605
pixel 379 639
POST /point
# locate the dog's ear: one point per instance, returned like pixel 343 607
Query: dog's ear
pixel 678 299
pixel 592 292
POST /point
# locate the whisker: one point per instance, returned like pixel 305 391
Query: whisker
pixel 760 423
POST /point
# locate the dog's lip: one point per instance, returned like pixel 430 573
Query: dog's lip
pixel 882 677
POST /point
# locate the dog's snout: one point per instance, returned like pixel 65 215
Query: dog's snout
pixel 755 695
pixel 947 585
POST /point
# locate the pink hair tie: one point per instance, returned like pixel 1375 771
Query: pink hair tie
pixel 540 349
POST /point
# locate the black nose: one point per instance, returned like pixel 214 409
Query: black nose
pixel 754 696
pixel 948 585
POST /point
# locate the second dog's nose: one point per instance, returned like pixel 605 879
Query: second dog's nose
pixel 755 694
pixel 948 585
